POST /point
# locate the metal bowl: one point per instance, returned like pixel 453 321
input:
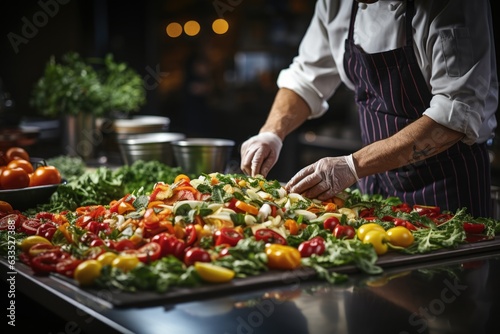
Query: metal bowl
pixel 202 155
pixel 140 124
pixel 149 146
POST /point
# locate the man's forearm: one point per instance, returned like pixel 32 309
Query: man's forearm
pixel 287 113
pixel 418 141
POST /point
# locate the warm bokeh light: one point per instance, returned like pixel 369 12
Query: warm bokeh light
pixel 220 26
pixel 191 28
pixel 174 29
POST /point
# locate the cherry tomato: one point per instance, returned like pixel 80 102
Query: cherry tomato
pixel 87 272
pixel 400 236
pixel 330 223
pixel 14 178
pixel 378 239
pixel 312 246
pixel 366 212
pixel 427 210
pixel 123 244
pixel 404 223
pixel 170 245
pixel 344 232
pixel 45 175
pixel 365 228
pixel 46 262
pixel 5 207
pixel 473 228
pixel 67 266
pixel 21 163
pixel 190 234
pixel 41 247
pixel 149 252
pixel 46 230
pixel 227 235
pixel 12 221
pixel 282 257
pixel 91 239
pixel 196 254
pixel 16 153
pixel 403 207
pixel 30 226
pixel 269 236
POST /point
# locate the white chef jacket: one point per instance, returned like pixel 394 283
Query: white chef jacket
pixel 453 42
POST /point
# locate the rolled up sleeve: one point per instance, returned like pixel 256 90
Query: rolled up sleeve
pixel 313 74
pixel 464 80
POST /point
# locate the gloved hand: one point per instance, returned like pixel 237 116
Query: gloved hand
pixel 259 153
pixel 324 178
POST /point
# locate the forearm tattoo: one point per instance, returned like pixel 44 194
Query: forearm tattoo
pixel 421 154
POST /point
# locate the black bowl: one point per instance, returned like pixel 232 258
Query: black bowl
pixel 29 197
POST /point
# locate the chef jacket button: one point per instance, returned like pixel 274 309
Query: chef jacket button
pixel 393 7
pixel 362 5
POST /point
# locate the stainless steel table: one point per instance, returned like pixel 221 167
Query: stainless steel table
pixel 457 295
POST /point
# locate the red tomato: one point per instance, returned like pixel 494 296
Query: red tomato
pixel 123 244
pixel 403 207
pixel 91 239
pixel 46 230
pixel 170 245
pixel 190 234
pixel 427 210
pixel 269 236
pixel 11 221
pixel 196 254
pixel 67 266
pixel 45 175
pixel 227 235
pixel 149 252
pixel 45 263
pixel 14 178
pixel 30 226
pixel 330 223
pixel 21 163
pixel 16 153
pixel 344 232
pixel 315 245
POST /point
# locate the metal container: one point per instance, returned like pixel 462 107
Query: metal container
pixel 140 124
pixel 149 146
pixel 202 155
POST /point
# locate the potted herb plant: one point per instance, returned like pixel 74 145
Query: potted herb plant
pixel 80 90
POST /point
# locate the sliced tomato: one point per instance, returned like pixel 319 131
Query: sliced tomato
pixel 47 230
pixel 46 262
pixel 12 221
pixel 191 235
pixel 67 266
pixel 148 253
pixel 30 226
pixel 227 236
pixel 269 236
pixel 196 254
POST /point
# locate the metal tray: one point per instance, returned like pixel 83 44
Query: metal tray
pixel 121 299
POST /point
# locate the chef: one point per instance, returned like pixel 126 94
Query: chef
pixel 425 81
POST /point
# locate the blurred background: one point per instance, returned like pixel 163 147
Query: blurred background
pixel 210 77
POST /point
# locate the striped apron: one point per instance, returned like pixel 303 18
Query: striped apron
pixel 390 93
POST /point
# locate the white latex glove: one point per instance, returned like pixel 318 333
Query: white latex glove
pixel 324 178
pixel 259 153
